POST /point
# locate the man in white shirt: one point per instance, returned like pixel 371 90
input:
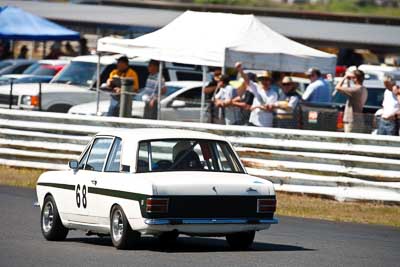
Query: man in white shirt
pixel 223 99
pixel 264 99
pixel 391 108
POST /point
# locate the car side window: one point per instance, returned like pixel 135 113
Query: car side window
pixel 114 158
pixel 98 154
pixel 143 158
pixel 191 97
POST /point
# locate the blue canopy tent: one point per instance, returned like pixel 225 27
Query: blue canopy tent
pixel 16 24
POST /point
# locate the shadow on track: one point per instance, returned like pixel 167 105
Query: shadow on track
pixel 189 244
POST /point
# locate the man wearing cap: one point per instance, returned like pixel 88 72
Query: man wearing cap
pixel 261 110
pixel 318 90
pixel 356 97
pixel 114 83
pixel 287 107
pixel 224 99
pixel 388 124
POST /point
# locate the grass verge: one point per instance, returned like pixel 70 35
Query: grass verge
pixel 288 204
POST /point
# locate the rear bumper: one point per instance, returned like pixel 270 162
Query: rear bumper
pixel 174 221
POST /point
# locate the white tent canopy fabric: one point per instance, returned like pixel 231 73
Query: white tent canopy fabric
pixel 219 39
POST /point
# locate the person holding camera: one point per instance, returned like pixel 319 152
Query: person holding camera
pixel 356 95
pixel 114 83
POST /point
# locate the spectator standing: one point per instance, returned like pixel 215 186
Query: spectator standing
pixel 261 111
pixel 224 99
pixel 83 48
pixel 69 50
pixel 55 51
pixel 388 124
pixel 356 95
pixel 114 83
pixel 150 91
pixel 318 90
pixel 245 97
pixel 287 108
pixel 210 91
pixel 23 52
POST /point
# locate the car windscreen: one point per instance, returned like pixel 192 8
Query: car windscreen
pixel 77 73
pixel 187 155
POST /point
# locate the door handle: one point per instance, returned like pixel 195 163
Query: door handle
pixel 94 182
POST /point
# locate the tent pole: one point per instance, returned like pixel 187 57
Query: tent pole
pixel 160 70
pixel 44 50
pixel 98 83
pixel 203 96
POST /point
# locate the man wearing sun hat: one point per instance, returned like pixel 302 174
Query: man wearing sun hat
pixel 318 90
pixel 261 110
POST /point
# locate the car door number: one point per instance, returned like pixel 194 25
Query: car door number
pixel 81 196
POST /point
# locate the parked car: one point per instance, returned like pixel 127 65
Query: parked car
pixel 377 72
pixel 159 182
pixel 26 79
pixel 182 102
pixel 14 66
pixel 43 69
pixel 76 83
pixel 329 116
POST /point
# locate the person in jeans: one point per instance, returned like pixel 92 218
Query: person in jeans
pixel 114 83
pixel 210 92
pixel 150 91
pixel 388 124
pixel 356 95
pixel 261 111
pixel 224 99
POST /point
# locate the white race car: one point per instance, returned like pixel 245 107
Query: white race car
pixel 156 182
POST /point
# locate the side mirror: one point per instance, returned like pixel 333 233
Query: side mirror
pixel 73 164
pixel 178 104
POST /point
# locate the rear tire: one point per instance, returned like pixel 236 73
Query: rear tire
pixel 51 225
pixel 241 240
pixel 121 233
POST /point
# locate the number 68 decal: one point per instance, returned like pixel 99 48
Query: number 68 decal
pixel 78 196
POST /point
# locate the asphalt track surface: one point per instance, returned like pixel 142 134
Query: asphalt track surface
pixel 293 242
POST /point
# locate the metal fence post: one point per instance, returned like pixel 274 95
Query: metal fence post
pixel 40 96
pixel 10 98
pixel 125 108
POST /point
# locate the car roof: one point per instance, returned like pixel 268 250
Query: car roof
pixel 185 83
pixel 142 134
pixel 107 59
pixel 54 62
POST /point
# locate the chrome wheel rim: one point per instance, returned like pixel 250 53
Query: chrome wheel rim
pixel 48 216
pixel 117 225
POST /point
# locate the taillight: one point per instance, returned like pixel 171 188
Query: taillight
pixel 157 205
pixel 339 122
pixel 266 205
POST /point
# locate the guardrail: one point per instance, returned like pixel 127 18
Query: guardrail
pixel 336 165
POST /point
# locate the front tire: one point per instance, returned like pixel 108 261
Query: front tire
pixel 51 225
pixel 121 233
pixel 241 240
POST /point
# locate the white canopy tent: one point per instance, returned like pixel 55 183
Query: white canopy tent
pixel 219 39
